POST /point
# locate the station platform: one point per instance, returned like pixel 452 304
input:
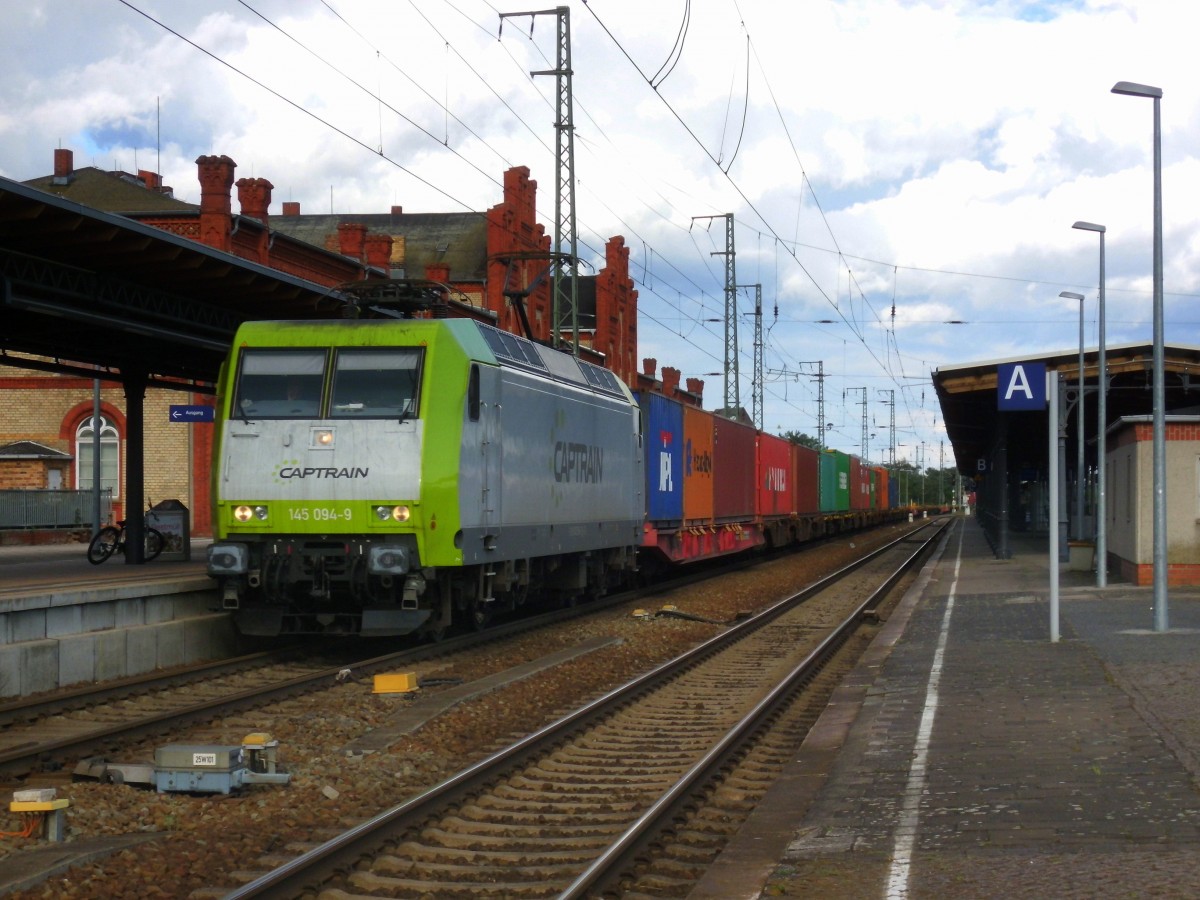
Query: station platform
pixel 64 621
pixel 26 568
pixel 970 756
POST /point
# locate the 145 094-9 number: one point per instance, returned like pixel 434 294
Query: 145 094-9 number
pixel 320 515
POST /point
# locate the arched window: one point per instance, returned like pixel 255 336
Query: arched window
pixel 110 456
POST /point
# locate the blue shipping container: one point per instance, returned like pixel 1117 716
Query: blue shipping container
pixel 662 432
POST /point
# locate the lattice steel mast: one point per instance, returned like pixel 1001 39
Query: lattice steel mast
pixel 891 403
pixel 756 385
pixel 565 231
pixel 733 400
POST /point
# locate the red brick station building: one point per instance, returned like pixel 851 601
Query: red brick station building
pixel 484 259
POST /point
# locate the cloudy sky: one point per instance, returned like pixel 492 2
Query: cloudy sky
pixel 891 167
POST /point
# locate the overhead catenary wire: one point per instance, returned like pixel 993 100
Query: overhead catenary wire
pixel 660 290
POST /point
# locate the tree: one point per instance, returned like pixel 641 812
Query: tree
pixel 804 440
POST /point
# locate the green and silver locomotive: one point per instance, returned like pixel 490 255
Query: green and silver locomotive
pixel 389 476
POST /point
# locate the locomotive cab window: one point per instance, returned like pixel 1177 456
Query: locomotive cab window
pixel 279 384
pixel 376 383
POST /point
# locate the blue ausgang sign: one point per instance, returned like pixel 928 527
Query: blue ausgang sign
pixel 191 414
pixel 1021 386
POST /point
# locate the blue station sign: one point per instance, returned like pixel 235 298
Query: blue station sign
pixel 196 413
pixel 1021 386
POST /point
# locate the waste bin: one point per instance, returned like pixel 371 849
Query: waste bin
pixel 1080 555
pixel 171 518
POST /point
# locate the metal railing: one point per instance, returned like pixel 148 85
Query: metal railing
pixel 51 509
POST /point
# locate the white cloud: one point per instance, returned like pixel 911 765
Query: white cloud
pixel 929 156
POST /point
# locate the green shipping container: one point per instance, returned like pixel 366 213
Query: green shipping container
pixel 835 481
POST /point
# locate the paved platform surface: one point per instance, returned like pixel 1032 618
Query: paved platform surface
pixel 969 756
pixel 30 568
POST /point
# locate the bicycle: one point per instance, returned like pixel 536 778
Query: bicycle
pixel 110 540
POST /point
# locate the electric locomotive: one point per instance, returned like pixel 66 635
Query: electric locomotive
pixel 389 476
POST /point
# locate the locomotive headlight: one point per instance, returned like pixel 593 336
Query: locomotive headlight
pixel 399 513
pixel 322 437
pixel 245 513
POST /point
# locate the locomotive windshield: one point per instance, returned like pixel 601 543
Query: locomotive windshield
pixel 280 383
pixel 368 383
pixel 375 383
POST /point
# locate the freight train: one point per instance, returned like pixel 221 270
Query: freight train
pixel 394 476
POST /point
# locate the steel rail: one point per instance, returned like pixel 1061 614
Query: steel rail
pixel 25 756
pixel 621 853
pixel 344 852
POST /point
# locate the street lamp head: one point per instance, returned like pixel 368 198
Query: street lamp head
pixel 1133 89
pixel 1089 226
pixel 1071 295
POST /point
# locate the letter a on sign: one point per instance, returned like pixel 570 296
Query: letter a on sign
pixel 1021 386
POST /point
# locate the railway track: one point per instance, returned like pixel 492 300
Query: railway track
pixel 49 730
pixel 587 804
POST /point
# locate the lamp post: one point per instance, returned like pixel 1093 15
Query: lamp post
pixel 1077 529
pixel 1159 429
pixel 1101 428
pixel 923 479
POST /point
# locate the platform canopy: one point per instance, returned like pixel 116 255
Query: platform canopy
pixel 970 409
pixel 83 289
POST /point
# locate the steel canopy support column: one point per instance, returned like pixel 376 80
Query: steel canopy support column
pixel 1000 487
pixel 135 466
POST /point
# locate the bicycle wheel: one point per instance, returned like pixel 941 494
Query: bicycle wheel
pixel 154 543
pixel 103 545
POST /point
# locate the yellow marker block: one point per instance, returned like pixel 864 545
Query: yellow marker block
pixel 54 821
pixel 38 805
pixel 396 683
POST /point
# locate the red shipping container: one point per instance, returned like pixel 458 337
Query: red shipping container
pixel 860 484
pixel 733 470
pixel 774 484
pixel 697 466
pixel 806 479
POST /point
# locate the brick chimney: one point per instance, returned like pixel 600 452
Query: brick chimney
pixel 216 207
pixel 379 250
pixel 351 239
pixel 152 180
pixel 64 167
pixel 649 365
pixel 696 386
pixel 254 196
pixel 291 208
pixel 670 380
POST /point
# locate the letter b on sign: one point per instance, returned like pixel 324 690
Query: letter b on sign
pixel 1021 386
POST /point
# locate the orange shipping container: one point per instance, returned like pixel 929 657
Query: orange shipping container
pixel 697 466
pixel 879 499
